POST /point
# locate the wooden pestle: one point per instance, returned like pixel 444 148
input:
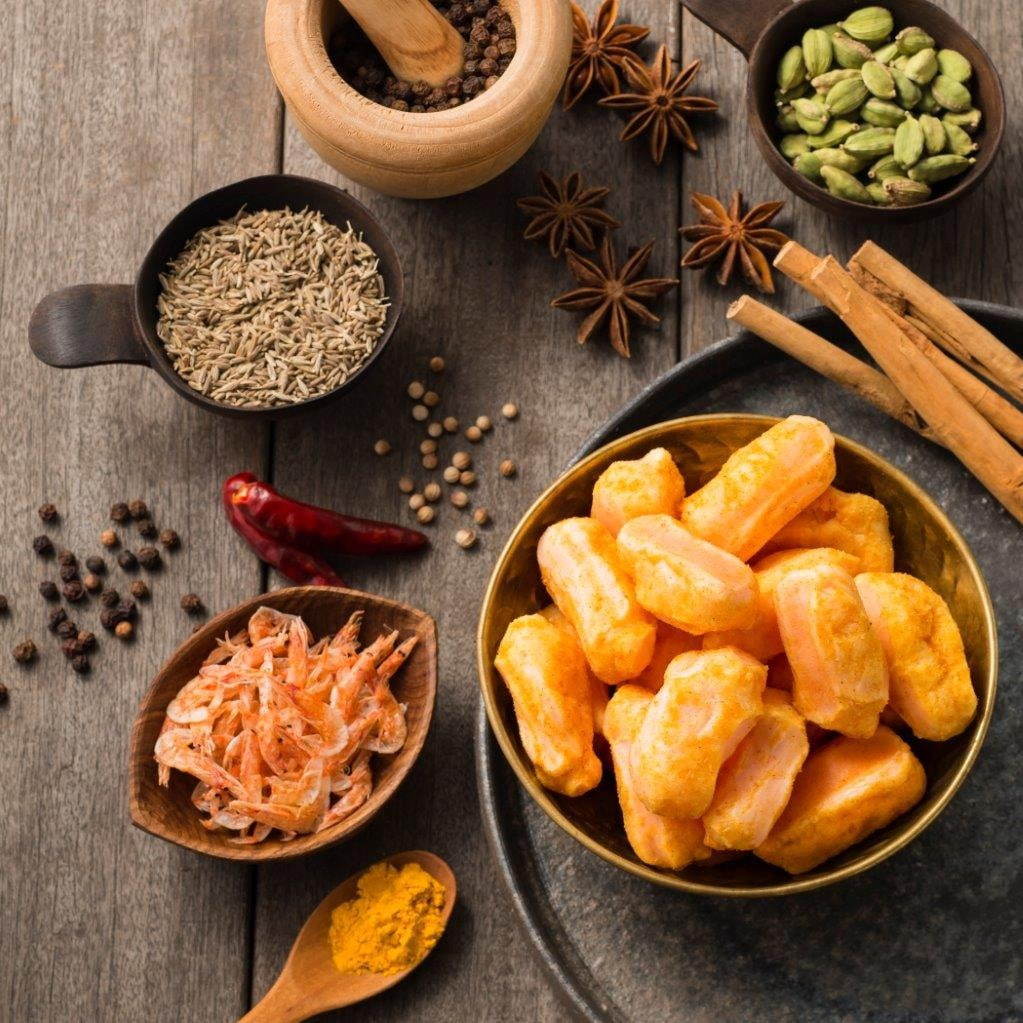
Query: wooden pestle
pixel 416 41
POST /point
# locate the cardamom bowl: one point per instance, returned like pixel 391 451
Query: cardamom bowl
pixel 926 545
pixel 762 30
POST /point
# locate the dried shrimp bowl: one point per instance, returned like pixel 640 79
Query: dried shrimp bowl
pixel 279 731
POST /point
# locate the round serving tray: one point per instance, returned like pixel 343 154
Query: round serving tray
pixel 934 933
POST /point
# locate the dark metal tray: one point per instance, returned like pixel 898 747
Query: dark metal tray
pixel 935 933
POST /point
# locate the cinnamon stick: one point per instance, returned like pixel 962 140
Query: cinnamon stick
pixel 827 359
pixel 959 425
pixel 956 331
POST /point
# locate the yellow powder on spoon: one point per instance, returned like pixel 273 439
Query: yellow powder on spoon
pixel 395 920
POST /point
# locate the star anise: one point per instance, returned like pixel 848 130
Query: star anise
pixel 613 293
pixel 600 51
pixel 660 103
pixel 729 235
pixel 566 213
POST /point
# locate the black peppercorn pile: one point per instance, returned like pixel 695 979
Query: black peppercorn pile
pixel 489 38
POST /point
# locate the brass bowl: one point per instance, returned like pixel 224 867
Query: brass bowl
pixel 926 545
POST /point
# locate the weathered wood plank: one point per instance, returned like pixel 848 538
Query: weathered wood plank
pixel 114 116
pixel 477 294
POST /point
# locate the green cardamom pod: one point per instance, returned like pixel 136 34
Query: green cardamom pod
pixel 832 30
pixel 809 165
pixel 878 195
pixel 812 115
pixel 786 119
pixel 847 96
pixel 935 138
pixel 849 52
pixel 886 53
pixel 792 69
pixel 837 132
pixel 782 98
pixel 870 142
pixel 869 25
pixel 912 40
pixel 881 113
pixel 886 167
pixel 909 142
pixel 952 64
pixel 817 52
pixel 950 94
pixel 908 93
pixel 928 104
pixel 878 79
pixel 831 157
pixel 922 66
pixel 899 62
pixel 792 145
pixel 937 168
pixel 906 192
pixel 969 120
pixel 844 185
pixel 822 83
pixel 959 142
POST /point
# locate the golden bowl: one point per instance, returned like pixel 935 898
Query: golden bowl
pixel 926 545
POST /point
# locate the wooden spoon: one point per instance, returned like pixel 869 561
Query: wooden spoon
pixel 310 983
pixel 414 38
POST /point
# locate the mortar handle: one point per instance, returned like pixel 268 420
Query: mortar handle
pixel 417 42
pixel 86 325
pixel 740 23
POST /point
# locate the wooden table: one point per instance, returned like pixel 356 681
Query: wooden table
pixel 115 114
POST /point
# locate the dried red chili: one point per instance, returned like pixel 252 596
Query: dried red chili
pixel 314 529
pixel 292 563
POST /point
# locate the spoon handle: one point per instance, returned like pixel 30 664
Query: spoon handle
pixel 283 1003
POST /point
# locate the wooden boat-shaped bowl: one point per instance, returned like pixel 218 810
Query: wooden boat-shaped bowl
pixel 169 813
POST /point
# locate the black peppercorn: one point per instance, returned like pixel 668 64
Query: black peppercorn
pixel 48 512
pixel 80 664
pixel 149 558
pixel 138 509
pixel 66 557
pixel 127 610
pixel 119 512
pixel 85 641
pixel 67 629
pixel 48 590
pixel 109 597
pixel 127 561
pixel 68 573
pixel 139 589
pixel 108 617
pixel 73 592
pixel 192 603
pixel 57 617
pixel 147 529
pixel 95 564
pixel 25 652
pixel 69 648
pixel 4 694
pixel 5 605
pixel 43 546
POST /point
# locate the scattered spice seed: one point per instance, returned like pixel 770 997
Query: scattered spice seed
pixel 431 399
pixel 68 573
pixel 73 592
pixel 382 447
pixel 124 630
pixel 69 648
pixel 450 424
pixel 510 410
pixel 85 641
pixel 56 618
pixel 461 459
pixel 4 695
pixel 508 468
pixel 25 652
pixel 465 538
pixel 435 430
pixel 416 501
pixel 432 492
pixel 120 512
pixel 95 564
pixel 5 606
pixel 406 484
pixel 67 629
pixel 109 597
pixel 138 509
pixel 48 590
pixel 92 582
pixel 80 665
pixel 437 364
pixel 127 561
pixel 109 538
pixel 430 462
pixel 170 539
pixel 191 603
pixel 139 589
pixel 149 558
pixel 428 447
pixel 425 514
pixel 467 478
pixel 451 474
pixel 420 413
pixel 416 390
pixel 147 529
pixel 484 423
pixel 43 546
pixel 474 434
pixel 481 516
pixel 459 498
pixel 66 557
pixel 48 512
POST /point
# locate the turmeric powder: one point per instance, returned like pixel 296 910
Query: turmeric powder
pixel 395 920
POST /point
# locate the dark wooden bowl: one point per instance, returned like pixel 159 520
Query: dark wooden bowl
pixel 93 324
pixel 168 812
pixel 764 29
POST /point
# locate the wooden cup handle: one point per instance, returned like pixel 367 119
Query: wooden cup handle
pixel 86 325
pixel 740 23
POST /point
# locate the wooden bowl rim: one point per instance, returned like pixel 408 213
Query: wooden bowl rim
pixel 140 752
pixel 902 836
